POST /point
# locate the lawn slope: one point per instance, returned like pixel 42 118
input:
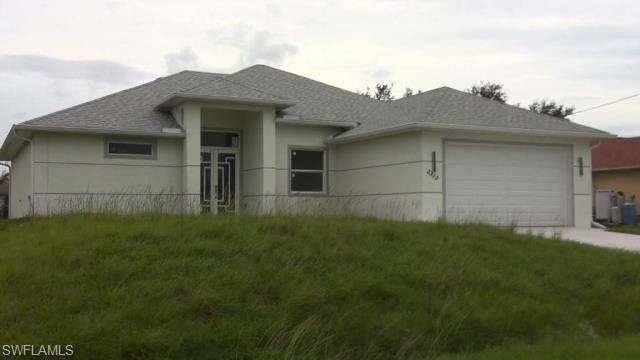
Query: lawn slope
pixel 294 287
pixel 626 347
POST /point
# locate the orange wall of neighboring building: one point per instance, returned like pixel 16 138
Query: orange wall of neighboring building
pixel 627 181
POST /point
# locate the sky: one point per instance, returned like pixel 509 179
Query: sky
pixel 56 54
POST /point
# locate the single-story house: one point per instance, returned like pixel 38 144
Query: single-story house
pixel 266 141
pixel 616 166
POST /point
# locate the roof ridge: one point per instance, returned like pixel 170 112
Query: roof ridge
pixel 422 93
pixel 436 101
pixel 304 77
pixel 162 78
pixel 202 72
pixel 212 80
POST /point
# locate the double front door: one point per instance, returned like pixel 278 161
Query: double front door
pixel 219 175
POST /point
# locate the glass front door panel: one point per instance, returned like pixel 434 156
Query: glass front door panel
pixel 226 182
pixel 218 177
pixel 205 181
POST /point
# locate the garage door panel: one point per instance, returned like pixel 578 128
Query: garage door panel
pixel 506 184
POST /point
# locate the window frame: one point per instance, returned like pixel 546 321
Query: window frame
pixel 324 171
pixel 136 141
pixel 233 131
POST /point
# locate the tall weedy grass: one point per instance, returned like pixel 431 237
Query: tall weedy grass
pixel 133 200
pixel 294 287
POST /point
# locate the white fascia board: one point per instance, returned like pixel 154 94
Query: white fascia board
pixel 93 131
pixel 310 122
pixel 178 98
pixel 6 153
pixel 630 167
pixel 466 128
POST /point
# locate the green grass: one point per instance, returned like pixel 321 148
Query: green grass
pixel 627 229
pixel 627 347
pixel 294 287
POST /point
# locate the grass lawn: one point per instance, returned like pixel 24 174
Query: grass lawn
pixel 295 287
pixel 627 347
pixel 628 229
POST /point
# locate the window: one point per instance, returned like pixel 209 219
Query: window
pixel 219 138
pixel 136 149
pixel 308 171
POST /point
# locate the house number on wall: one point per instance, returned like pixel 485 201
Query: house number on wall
pixel 433 174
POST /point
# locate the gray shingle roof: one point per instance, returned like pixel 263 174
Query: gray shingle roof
pixel 136 109
pixel 447 106
pixel 133 109
pixel 314 100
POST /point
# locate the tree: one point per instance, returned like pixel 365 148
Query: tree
pixel 489 90
pixel 366 93
pixel 551 108
pixel 382 92
pixel 407 92
pixel 4 174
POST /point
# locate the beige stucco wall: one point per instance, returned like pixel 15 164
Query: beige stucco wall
pixel 380 177
pixel 582 195
pixel 627 181
pixel 72 174
pixel 20 189
pixel 300 136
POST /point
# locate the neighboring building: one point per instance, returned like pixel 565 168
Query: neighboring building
pixel 266 141
pixel 616 166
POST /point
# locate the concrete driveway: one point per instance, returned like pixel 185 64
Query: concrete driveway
pixel 597 237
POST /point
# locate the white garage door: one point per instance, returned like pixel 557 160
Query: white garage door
pixel 505 184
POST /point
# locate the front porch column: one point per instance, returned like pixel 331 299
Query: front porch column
pixel 191 115
pixel 268 157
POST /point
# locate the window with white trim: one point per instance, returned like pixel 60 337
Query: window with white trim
pixel 116 148
pixel 308 170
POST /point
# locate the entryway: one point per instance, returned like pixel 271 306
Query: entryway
pixel 219 172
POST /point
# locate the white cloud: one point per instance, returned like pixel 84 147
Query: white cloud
pixel 264 48
pixel 272 9
pixel 253 46
pixel 380 74
pixel 102 71
pixel 186 59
